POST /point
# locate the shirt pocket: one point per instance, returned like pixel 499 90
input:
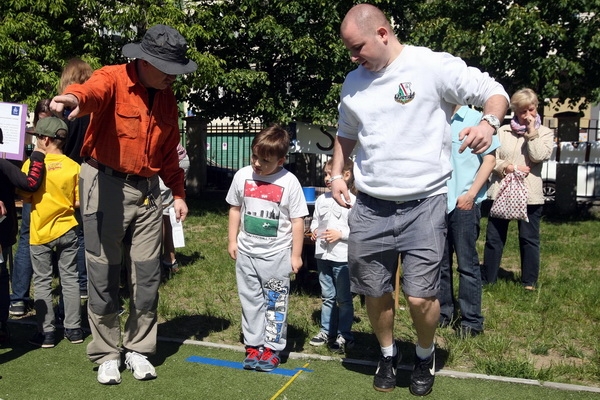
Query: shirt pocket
pixel 128 121
pixel 168 126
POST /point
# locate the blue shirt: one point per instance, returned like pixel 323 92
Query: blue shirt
pixel 465 165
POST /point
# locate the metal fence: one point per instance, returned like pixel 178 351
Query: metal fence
pixel 228 148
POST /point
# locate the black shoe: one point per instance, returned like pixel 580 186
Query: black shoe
pixel 74 336
pixel 421 380
pixel 44 340
pixel 17 308
pixel 465 332
pixel 385 375
pixel 341 344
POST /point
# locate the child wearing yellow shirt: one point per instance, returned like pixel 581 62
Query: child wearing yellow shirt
pixel 53 226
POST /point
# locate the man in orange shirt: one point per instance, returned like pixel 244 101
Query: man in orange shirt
pixel 130 142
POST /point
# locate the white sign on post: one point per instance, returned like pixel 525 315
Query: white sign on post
pixel 13 119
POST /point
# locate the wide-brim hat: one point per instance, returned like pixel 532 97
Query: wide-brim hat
pixel 164 48
pixel 49 126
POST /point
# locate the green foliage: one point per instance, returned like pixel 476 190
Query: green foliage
pixel 277 60
pixel 548 46
pixel 283 60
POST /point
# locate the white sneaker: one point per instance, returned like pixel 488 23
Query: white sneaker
pixel 140 366
pixel 108 372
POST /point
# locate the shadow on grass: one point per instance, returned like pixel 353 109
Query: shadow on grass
pixel 19 336
pixel 185 259
pixel 197 327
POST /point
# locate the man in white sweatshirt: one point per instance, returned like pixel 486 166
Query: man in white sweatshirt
pixel 397 105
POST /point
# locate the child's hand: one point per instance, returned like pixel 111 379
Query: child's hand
pixel 232 250
pixel 296 264
pixel 313 235
pixel 331 235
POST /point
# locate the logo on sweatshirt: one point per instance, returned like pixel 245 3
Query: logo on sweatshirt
pixel 405 93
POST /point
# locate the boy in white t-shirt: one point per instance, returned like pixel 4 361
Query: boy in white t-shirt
pixel 266 234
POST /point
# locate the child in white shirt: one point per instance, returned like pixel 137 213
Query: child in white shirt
pixel 330 231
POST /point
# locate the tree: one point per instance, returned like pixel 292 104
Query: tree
pixel 550 46
pixel 36 37
pixel 279 60
pixel 275 60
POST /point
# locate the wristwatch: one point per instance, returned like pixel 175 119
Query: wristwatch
pixel 492 120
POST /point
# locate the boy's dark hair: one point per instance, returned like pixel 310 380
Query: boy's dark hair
pixel 271 141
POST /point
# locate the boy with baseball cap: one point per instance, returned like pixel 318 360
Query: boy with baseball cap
pixel 53 226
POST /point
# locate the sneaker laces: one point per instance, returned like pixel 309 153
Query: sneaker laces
pixel 268 355
pixel 252 352
pixel 111 364
pixel 137 361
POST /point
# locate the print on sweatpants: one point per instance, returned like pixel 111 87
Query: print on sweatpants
pixel 277 295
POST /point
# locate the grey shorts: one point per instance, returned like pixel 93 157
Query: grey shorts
pixel 381 230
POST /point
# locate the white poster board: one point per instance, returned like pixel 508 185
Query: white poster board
pixel 13 120
pixel 312 138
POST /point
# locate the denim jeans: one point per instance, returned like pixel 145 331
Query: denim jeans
pixel 337 310
pixel 529 246
pixel 20 276
pixel 463 231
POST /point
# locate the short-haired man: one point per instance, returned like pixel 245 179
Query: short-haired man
pixel 397 104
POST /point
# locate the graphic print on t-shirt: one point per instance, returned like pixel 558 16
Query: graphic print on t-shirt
pixel 261 216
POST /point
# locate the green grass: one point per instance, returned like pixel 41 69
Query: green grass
pixel 548 335
pixel 64 373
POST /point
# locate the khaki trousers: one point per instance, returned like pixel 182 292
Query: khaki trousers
pixel 119 226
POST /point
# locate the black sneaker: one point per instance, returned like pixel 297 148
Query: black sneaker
pixel 385 375
pixel 320 339
pixel 44 340
pixel 17 308
pixel 341 344
pixel 74 336
pixel 421 380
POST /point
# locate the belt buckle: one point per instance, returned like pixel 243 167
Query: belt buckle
pixel 128 176
pixel 400 202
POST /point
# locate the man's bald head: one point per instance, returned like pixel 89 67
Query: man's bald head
pixel 366 17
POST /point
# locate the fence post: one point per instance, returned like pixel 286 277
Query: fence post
pixel 566 174
pixel 196 129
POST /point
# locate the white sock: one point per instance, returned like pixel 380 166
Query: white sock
pixel 425 353
pixel 389 351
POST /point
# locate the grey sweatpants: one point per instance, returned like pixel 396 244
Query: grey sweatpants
pixel 264 288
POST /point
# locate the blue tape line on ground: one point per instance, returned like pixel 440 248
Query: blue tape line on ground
pixel 238 365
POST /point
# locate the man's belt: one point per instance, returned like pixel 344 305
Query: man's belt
pixel 92 162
